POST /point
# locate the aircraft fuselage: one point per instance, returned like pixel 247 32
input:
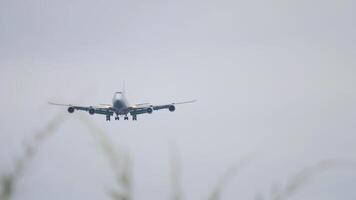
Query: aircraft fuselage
pixel 120 104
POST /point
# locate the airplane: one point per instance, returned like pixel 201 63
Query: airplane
pixel 121 107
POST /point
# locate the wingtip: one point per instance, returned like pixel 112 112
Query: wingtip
pixel 192 101
pixel 57 104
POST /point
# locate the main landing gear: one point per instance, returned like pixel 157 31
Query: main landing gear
pixel 134 117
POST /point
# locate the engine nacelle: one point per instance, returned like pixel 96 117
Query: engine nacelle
pixel 71 109
pixel 149 110
pixel 172 108
pixel 91 111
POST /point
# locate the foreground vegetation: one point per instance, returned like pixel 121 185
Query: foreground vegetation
pixel 120 163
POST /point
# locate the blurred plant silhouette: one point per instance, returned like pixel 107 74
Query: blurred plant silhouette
pixel 121 165
pixel 227 177
pixel 301 178
pixel 8 180
pixel 119 161
pixel 175 174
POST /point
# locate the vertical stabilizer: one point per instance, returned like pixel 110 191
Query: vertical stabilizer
pixel 123 88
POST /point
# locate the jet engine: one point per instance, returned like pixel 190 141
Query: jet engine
pixel 172 108
pixel 70 109
pixel 91 111
pixel 149 110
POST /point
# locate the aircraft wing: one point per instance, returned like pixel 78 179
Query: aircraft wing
pixel 144 108
pixel 103 109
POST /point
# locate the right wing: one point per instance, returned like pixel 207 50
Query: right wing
pixel 103 110
pixel 148 108
pixel 167 106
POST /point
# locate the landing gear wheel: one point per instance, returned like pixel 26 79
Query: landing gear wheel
pixel 126 118
pixel 107 117
pixel 134 118
pixel 117 118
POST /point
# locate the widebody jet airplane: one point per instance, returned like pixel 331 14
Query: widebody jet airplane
pixel 121 107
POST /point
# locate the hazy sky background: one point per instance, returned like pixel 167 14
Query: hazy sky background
pixel 275 80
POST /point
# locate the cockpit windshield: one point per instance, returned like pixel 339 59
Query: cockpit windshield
pixel 118 95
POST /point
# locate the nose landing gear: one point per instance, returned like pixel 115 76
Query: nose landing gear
pixel 107 117
pixel 134 118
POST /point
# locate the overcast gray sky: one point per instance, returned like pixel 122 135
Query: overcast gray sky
pixel 275 80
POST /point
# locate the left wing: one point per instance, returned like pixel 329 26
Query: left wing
pixel 147 108
pixel 103 109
